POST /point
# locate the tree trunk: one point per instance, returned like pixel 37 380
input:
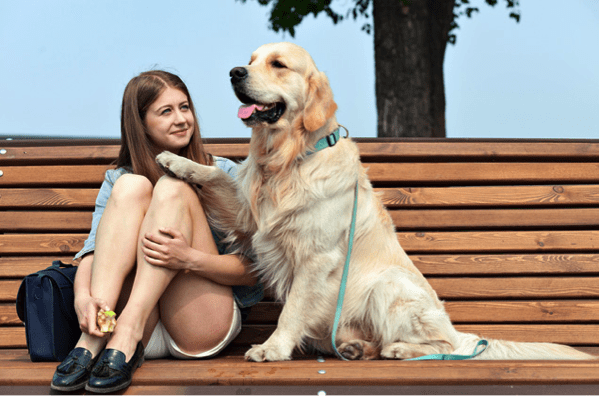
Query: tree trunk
pixel 410 42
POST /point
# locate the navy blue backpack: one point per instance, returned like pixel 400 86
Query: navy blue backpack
pixel 45 304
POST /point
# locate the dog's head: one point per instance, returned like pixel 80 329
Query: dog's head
pixel 282 88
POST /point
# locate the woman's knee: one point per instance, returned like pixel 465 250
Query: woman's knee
pixel 168 189
pixel 132 189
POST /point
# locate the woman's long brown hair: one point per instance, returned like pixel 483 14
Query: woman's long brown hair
pixel 137 150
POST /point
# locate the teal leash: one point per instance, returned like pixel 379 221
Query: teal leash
pixel 340 302
pixel 448 356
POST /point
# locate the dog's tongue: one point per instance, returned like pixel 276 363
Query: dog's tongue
pixel 246 111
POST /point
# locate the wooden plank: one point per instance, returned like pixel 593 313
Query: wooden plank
pixel 526 287
pixel 42 243
pixel 413 242
pixel 390 150
pixel 468 264
pixel 310 388
pixel 561 334
pixel 494 218
pixel 380 148
pixel 77 221
pixel 19 267
pixel 48 198
pixel 60 154
pixel 515 264
pixel 466 288
pixel 9 289
pixel 523 288
pixel 570 334
pixel 498 241
pixel 546 311
pixel 484 172
pixel 523 311
pixel 555 311
pixel 400 173
pixel 13 337
pixel 493 196
pixel 394 150
pixel 237 372
pixel 23 221
pixel 393 198
pixel 55 176
pixel 557 195
pixel 8 315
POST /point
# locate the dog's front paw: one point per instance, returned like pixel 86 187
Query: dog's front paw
pixel 172 164
pixel 261 353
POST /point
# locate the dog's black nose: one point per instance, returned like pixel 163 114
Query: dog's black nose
pixel 238 74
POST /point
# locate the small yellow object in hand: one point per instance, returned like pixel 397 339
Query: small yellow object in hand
pixel 107 320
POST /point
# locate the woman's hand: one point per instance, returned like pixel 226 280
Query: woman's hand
pixel 169 249
pixel 86 308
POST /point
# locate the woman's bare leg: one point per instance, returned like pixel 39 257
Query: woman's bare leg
pixel 116 244
pixel 174 204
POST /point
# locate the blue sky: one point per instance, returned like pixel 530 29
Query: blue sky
pixel 65 65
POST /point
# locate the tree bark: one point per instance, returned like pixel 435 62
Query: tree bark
pixel 410 43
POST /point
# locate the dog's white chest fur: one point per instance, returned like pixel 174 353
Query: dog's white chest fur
pixel 293 230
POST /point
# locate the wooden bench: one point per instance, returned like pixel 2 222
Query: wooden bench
pixel 505 230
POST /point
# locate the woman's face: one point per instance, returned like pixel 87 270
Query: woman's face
pixel 170 121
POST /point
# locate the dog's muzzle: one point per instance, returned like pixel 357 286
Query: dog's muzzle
pixel 253 111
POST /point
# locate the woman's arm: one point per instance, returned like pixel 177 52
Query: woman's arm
pixel 171 250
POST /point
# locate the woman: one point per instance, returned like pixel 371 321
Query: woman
pixel 151 254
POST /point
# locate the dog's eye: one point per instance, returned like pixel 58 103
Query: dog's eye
pixel 278 65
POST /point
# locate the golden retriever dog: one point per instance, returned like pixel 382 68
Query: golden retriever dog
pixel 293 205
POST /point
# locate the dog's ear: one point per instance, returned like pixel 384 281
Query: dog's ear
pixel 319 106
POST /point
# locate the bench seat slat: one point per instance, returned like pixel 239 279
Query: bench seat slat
pixel 236 372
pixel 501 264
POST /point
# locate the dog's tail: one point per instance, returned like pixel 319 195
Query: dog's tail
pixel 510 350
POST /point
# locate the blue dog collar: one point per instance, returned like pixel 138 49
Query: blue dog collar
pixel 328 141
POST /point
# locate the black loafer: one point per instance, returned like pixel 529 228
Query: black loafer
pixel 111 373
pixel 74 371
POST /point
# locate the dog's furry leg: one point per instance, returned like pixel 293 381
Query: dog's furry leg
pixel 296 318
